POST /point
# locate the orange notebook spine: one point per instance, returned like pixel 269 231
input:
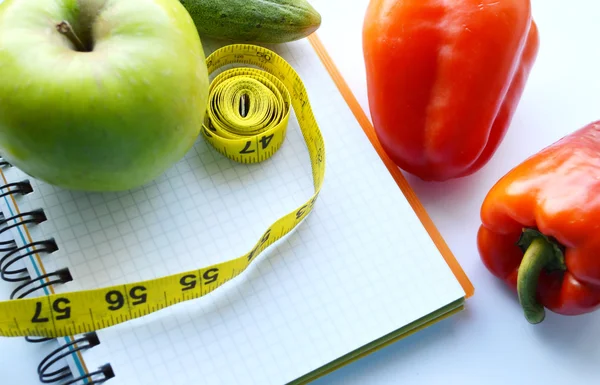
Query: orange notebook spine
pixel 367 127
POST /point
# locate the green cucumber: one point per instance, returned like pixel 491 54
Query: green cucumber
pixel 258 21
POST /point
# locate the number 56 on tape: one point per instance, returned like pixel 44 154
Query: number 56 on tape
pixel 248 134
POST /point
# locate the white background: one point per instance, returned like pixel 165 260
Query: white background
pixel 489 343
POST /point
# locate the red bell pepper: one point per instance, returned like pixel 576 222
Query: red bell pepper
pixel 540 229
pixel 444 79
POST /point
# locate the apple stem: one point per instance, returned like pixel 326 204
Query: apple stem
pixel 65 28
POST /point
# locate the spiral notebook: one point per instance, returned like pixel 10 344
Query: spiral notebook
pixel 366 267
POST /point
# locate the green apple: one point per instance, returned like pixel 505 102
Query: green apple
pixel 99 95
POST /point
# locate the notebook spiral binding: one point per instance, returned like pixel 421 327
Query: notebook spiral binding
pixel 12 254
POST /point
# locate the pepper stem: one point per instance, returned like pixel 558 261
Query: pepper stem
pixel 540 254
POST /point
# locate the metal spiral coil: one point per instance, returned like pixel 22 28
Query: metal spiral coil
pixel 84 342
pixel 106 371
pixel 29 285
pixel 16 254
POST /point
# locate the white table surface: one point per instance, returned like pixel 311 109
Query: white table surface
pixel 490 342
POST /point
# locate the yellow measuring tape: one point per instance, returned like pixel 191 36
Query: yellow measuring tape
pixel 247 117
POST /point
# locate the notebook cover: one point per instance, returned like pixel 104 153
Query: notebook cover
pixel 382 342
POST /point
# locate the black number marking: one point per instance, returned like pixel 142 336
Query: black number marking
pixel 210 275
pixel 265 140
pixel 263 240
pixel 188 282
pixel 60 306
pixel 263 57
pixel 38 311
pixel 303 102
pixel 115 299
pixel 320 154
pixel 138 293
pixel 303 209
pixel 246 150
pixel 265 237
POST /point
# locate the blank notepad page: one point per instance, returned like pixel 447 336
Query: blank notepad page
pixel 359 267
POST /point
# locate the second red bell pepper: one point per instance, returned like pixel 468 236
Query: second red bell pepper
pixel 540 230
pixel 444 79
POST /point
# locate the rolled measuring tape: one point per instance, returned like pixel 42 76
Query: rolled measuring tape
pixel 246 120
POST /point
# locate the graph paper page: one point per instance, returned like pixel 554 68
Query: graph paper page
pixel 359 267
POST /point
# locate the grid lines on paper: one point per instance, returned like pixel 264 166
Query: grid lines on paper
pixel 359 266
